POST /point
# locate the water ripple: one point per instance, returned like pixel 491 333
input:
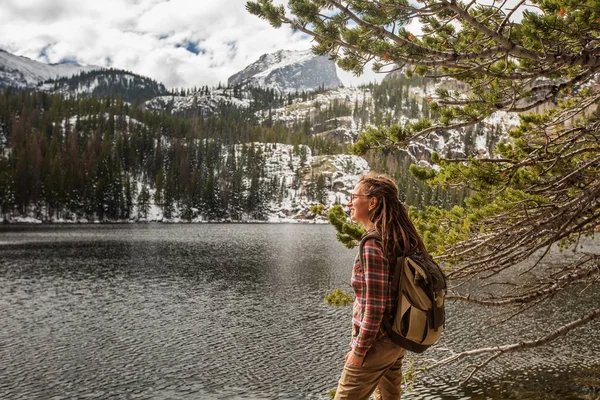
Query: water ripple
pixel 220 312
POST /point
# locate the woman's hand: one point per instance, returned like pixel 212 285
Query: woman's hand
pixel 353 359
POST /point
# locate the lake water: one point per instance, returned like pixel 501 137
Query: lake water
pixel 232 311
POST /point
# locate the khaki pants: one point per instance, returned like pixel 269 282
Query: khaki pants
pixel 380 374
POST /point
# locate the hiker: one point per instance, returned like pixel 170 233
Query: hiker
pixel 374 363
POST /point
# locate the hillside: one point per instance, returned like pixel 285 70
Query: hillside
pixel 68 159
pixel 106 83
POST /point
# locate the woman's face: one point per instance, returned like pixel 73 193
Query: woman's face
pixel 359 205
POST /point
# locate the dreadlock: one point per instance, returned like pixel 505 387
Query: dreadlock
pixel 390 217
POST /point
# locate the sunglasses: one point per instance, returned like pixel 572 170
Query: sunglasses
pixel 353 196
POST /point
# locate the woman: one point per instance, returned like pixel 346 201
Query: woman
pixel 374 363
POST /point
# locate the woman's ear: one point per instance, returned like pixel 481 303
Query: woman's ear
pixel 373 203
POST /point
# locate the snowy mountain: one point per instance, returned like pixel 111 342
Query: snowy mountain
pixel 23 72
pixel 289 71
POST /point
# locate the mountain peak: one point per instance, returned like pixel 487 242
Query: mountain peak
pixel 21 71
pixel 289 71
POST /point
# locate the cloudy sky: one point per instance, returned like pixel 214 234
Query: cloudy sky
pixel 181 43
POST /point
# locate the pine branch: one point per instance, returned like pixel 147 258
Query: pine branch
pixel 384 32
pixel 485 160
pixel 507 18
pixel 505 43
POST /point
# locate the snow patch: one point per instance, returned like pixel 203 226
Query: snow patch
pixel 208 102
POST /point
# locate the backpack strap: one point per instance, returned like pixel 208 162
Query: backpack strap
pixel 396 268
pixel 371 235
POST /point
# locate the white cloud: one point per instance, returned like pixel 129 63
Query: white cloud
pixel 148 37
pixel 349 79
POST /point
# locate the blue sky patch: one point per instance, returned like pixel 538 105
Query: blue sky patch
pixel 232 47
pixel 43 53
pixel 192 47
pixel 68 60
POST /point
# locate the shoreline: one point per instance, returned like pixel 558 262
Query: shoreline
pixel 35 221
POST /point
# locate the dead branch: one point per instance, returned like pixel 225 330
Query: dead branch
pixel 558 285
pixel 510 348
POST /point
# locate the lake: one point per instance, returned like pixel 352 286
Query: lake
pixel 233 311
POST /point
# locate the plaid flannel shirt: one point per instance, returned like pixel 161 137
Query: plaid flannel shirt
pixel 373 299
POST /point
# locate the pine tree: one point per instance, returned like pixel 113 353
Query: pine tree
pixel 159 186
pixel 320 192
pixel 7 195
pixel 540 188
pixel 129 193
pixel 143 202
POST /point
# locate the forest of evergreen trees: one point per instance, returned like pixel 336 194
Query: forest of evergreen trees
pixel 97 158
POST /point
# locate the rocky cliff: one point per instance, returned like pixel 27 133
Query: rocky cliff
pixel 289 71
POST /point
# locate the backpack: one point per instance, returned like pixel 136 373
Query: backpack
pixel 418 316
